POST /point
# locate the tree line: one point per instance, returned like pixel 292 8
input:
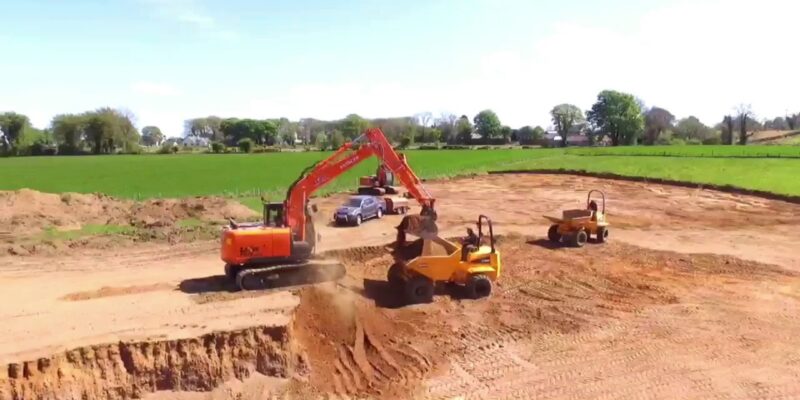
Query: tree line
pixel 420 128
pixel 616 118
pixel 102 131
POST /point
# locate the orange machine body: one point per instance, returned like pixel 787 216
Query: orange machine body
pixel 241 246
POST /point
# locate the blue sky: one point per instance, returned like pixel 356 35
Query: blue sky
pixel 169 60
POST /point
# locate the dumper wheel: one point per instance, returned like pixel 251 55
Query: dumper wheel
pixel 478 286
pixel 553 234
pixel 232 270
pixel 419 289
pixel 395 274
pixel 580 238
pixel 602 234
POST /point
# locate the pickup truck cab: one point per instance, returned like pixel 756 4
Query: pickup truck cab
pixel 359 209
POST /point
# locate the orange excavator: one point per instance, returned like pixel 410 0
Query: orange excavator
pixel 279 251
pixel 379 184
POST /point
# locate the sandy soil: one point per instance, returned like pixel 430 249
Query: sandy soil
pixel 615 321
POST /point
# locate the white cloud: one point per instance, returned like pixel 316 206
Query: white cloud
pixel 195 18
pixel 154 89
pixel 190 12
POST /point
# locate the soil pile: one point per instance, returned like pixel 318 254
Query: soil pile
pixel 25 214
pixel 167 212
pixel 27 211
pixel 354 348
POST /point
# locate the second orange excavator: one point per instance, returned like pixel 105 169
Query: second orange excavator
pixel 279 251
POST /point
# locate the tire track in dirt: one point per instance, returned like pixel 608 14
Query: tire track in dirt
pixel 649 339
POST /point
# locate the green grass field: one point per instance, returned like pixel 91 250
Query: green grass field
pixel 781 176
pixel 247 176
pixel 148 176
pixel 764 151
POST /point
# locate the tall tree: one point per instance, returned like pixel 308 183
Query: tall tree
pixel 487 124
pixel 263 132
pixel 528 135
pixel 152 136
pixel 353 125
pixel 727 130
pixel 463 130
pixel 126 123
pixel 447 124
pixel 68 130
pixel 214 125
pixel 744 112
pixel 618 116
pixel 287 131
pixel 564 117
pixel 202 127
pixel 656 121
pixel 11 127
pixel 691 128
pixel 424 120
pixel 100 129
pixel 793 120
pixel 337 139
pixel 777 123
pixel 321 141
pixel 505 133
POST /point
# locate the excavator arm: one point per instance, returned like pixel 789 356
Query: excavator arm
pixel 371 143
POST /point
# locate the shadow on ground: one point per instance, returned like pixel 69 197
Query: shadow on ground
pixel 285 278
pixel 386 295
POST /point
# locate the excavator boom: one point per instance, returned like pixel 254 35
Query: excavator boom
pixel 371 143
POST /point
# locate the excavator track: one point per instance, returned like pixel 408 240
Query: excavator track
pixel 290 276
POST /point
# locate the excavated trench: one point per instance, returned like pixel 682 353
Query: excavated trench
pixel 129 370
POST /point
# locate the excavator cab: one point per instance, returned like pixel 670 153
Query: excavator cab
pixel 273 214
pixel 382 183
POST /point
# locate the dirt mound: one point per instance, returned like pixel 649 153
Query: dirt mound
pixel 27 212
pixel 354 348
pixel 167 212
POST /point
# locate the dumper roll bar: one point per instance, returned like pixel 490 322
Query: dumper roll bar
pixel 482 218
pixel 589 198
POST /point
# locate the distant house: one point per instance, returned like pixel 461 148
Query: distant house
pixel 195 141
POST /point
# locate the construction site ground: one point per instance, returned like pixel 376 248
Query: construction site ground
pixel 697 295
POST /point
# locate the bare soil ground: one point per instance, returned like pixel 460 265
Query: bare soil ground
pixel 621 320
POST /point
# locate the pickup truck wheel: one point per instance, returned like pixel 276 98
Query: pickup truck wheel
pixel 419 289
pixel 478 286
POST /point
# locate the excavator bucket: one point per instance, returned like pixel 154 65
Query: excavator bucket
pixel 422 226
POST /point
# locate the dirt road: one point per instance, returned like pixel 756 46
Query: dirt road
pixel 616 321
